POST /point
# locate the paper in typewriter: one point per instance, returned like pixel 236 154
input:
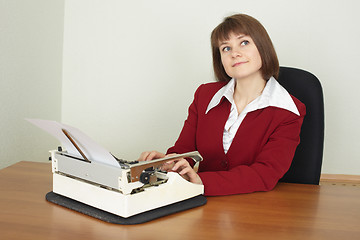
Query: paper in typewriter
pixel 92 150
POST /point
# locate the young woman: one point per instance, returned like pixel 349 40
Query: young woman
pixel 246 125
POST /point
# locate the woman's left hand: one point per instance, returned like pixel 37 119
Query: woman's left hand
pixel 183 167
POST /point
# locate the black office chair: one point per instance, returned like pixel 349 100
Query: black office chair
pixel 306 165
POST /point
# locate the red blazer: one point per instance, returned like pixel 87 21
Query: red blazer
pixel 260 154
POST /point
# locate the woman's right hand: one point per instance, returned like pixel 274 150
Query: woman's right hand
pixel 150 155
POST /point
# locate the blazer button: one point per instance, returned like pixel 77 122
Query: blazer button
pixel 224 164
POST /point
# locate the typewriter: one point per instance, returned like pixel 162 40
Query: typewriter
pixel 87 173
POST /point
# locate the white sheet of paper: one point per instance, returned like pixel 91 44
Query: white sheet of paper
pixel 92 150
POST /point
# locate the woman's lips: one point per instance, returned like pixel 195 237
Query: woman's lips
pixel 238 63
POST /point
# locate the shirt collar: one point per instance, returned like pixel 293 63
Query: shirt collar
pixel 273 95
pixel 226 91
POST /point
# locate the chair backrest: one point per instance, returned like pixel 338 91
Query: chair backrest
pixel 306 165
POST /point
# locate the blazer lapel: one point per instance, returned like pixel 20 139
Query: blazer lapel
pixel 216 118
pixel 242 135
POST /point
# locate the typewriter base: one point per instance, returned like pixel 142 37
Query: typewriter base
pixel 136 219
pixel 174 190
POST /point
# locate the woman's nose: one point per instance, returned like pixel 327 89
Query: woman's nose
pixel 236 53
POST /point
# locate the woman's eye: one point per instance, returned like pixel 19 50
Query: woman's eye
pixel 245 42
pixel 226 49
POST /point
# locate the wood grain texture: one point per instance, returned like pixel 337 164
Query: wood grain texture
pixel 340 178
pixel 290 211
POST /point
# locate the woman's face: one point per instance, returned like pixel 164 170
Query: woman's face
pixel 240 57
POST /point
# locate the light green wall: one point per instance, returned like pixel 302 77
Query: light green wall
pixel 31 38
pixel 125 71
pixel 136 65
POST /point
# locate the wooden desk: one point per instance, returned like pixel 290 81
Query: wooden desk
pixel 290 211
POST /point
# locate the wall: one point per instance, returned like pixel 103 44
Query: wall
pixel 30 76
pixel 130 68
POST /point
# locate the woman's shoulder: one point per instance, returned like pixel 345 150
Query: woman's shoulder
pixel 209 89
pixel 206 91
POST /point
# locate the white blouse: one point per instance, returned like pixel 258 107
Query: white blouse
pixel 273 95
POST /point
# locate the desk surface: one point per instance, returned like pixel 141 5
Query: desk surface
pixel 290 211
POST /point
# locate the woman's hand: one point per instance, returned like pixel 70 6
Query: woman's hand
pixel 150 155
pixel 180 166
pixel 183 167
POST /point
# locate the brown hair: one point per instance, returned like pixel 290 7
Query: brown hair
pixel 244 24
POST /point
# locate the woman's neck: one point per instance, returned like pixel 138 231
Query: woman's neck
pixel 247 90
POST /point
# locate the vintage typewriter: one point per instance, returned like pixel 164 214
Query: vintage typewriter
pixel 87 173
